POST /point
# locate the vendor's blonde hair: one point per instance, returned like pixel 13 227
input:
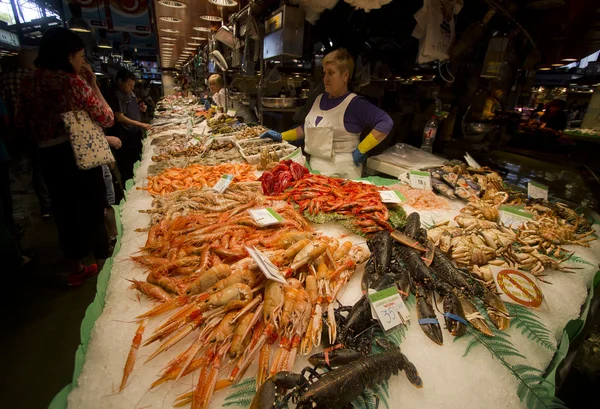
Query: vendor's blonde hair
pixel 342 58
pixel 215 79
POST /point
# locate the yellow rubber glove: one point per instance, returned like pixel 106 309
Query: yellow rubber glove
pixel 368 143
pixel 290 135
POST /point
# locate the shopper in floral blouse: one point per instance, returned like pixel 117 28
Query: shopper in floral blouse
pixel 64 82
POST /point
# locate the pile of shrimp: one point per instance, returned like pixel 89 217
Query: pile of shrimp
pixel 200 273
pixel 203 200
pixel 198 176
pixel 179 249
pixel 358 201
pixel 420 199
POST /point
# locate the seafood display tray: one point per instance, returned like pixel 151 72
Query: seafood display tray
pixel 282 149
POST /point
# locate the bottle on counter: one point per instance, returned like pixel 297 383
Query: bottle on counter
pixel 429 133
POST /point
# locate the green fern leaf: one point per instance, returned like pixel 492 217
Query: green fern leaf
pixel 379 392
pixel 245 382
pixel 530 326
pixel 360 403
pixel 578 259
pixel 369 398
pixel 410 301
pixel 472 343
pixel 385 386
pixel 242 402
pixel 523 369
pixel 535 391
pixel 246 392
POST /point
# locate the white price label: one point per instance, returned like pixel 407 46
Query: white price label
pixel 419 180
pixel 190 125
pixel 537 191
pixel 208 142
pixel 194 141
pixel 392 196
pixel 389 307
pixel 223 183
pixel 296 156
pixel 514 216
pixel 269 269
pixel 265 217
pixel 231 113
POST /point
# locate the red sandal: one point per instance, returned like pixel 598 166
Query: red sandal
pixel 77 279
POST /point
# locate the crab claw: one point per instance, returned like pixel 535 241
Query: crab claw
pixel 407 241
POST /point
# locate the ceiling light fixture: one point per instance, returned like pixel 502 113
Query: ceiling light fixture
pixel 194 44
pixel 224 3
pixel 170 19
pixel 168 38
pixel 569 59
pixel 190 48
pixel 78 24
pixel 204 29
pixel 173 4
pixel 169 30
pixel 211 18
pixel 545 69
pixel 199 38
pixel 104 43
pixel 557 65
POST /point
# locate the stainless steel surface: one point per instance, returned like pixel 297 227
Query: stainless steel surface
pixel 479 127
pixel 286 39
pixel 283 102
pixel 237 96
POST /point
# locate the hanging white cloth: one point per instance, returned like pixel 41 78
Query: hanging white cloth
pixel 435 29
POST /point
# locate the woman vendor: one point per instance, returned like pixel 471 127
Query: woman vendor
pixel 215 83
pixel 332 129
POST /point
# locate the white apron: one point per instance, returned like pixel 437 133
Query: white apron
pixel 328 143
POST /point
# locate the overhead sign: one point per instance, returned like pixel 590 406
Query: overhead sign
pixel 555 79
pixel 9 39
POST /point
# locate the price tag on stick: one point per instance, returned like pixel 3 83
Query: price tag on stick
pixel 514 216
pixel 392 196
pixel 223 183
pixel 537 191
pixel 419 180
pixel 269 269
pixel 265 217
pixel 389 307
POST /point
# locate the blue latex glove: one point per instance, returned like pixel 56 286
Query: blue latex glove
pixel 358 157
pixel 271 134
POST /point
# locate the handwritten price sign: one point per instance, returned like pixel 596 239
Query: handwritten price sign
pixel 537 191
pixel 389 307
pixel 419 180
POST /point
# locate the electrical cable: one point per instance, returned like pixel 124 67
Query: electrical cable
pixel 440 64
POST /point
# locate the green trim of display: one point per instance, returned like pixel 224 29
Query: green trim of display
pixel 518 211
pixel 538 185
pixel 380 295
pixel 419 173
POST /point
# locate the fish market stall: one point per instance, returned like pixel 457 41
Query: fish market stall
pixel 229 272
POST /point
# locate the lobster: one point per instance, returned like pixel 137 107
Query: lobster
pixel 340 386
pixel 359 319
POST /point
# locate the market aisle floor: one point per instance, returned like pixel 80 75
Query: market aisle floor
pixel 41 334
